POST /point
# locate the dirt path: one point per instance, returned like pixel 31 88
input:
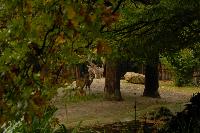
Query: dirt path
pixel 100 111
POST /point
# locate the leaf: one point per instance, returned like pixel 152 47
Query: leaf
pixel 60 39
pixel 100 1
pixel 70 12
pixel 72 23
pixel 103 48
pixel 82 11
pixel 46 1
pixel 93 17
pixel 27 118
pixel 75 23
pixel 29 7
pixel 38 99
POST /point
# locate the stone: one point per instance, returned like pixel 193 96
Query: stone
pixel 134 78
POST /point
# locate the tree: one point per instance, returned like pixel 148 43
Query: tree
pixel 38 38
pixel 151 77
pixel 165 26
pixel 112 80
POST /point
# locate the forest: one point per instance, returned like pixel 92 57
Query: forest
pixel 92 66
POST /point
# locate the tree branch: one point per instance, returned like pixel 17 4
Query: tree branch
pixel 45 38
pixel 130 29
pixel 116 8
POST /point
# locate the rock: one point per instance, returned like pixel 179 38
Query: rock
pixel 67 89
pixel 134 78
pixel 61 92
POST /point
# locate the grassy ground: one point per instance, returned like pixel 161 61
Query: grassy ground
pixel 93 109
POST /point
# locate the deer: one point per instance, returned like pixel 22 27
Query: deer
pixel 101 70
pixel 88 80
pixel 97 71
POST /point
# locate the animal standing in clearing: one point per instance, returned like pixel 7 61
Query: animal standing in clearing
pixel 88 80
pixel 85 81
pixel 97 71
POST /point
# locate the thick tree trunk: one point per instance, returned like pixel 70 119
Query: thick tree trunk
pixel 152 79
pixel 112 81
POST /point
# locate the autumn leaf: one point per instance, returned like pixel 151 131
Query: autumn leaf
pixel 81 11
pixel 106 16
pixel 70 12
pixel 27 118
pixel 28 7
pixel 1 92
pixel 38 99
pixel 75 23
pixel 115 17
pixel 72 23
pixel 2 119
pixel 46 1
pixel 103 48
pixel 60 39
pixel 44 72
pixel 93 17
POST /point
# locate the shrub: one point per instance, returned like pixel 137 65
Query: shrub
pixel 44 124
pixel 186 121
pixel 183 64
pixel 161 113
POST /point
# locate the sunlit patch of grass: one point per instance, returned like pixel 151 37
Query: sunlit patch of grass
pixel 169 86
pixel 174 107
pixel 174 98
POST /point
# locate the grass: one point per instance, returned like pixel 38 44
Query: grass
pixel 164 86
pixel 109 112
pixel 88 97
pixel 169 85
pixel 174 107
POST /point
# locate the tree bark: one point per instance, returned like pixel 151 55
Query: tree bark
pixel 152 78
pixel 112 81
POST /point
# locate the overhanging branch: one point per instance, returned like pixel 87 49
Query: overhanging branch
pixel 45 38
pixel 114 11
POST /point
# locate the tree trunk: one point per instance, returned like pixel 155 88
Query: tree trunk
pixel 112 81
pixel 152 78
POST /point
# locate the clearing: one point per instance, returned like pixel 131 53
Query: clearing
pixel 94 110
